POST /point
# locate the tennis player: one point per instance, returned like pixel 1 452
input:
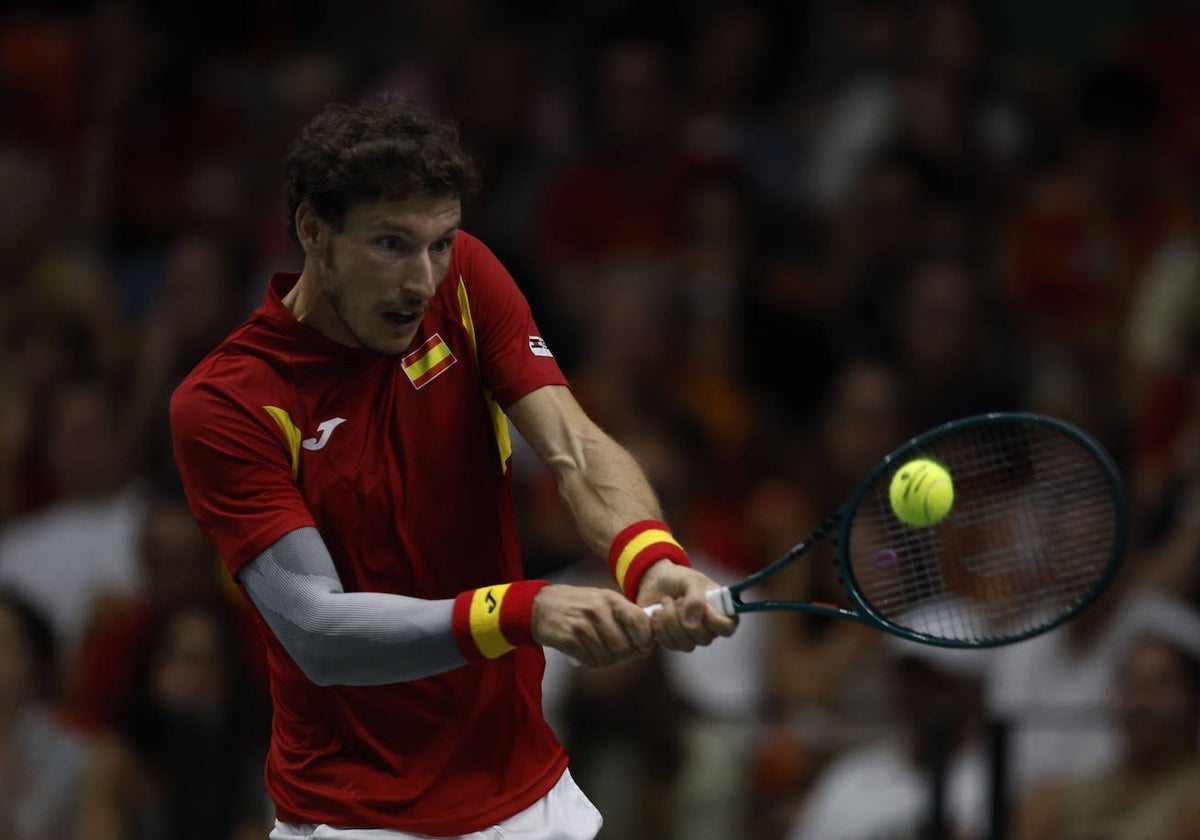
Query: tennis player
pixel 347 450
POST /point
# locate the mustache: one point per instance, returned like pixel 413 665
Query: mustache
pixel 407 303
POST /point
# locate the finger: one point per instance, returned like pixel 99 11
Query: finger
pixel 668 629
pixel 612 627
pixel 637 625
pixel 579 655
pixel 695 608
pixel 587 644
pixel 700 634
pixel 720 624
pixel 594 656
pixel 638 638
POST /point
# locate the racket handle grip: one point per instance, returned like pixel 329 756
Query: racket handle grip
pixel 720 600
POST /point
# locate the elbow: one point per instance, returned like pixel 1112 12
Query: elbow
pixel 317 670
pixel 321 675
pixel 319 666
pixel 564 464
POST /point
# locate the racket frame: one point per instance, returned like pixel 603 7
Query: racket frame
pixel 839 524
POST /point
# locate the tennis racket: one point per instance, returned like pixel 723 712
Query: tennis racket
pixel 1035 533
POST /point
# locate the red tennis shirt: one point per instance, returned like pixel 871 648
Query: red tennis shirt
pixel 402 466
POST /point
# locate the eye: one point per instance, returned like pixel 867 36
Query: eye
pixel 442 245
pixel 389 243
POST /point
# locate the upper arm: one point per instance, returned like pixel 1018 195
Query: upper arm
pixel 348 638
pixel 237 464
pixel 513 358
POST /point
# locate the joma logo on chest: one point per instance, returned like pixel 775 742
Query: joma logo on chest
pixel 324 430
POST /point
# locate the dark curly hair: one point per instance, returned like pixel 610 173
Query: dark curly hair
pixel 383 148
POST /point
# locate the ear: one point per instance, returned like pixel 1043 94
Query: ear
pixel 310 229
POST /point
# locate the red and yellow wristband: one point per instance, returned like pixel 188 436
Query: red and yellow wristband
pixel 490 621
pixel 637 548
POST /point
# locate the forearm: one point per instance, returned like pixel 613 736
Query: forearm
pixel 616 511
pixel 603 488
pixel 369 638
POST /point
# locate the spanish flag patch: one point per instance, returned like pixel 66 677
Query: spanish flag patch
pixel 428 361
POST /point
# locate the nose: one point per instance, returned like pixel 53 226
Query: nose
pixel 421 278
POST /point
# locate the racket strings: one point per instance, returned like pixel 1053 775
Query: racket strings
pixel 1029 536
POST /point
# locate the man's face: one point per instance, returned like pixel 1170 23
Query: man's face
pixel 380 271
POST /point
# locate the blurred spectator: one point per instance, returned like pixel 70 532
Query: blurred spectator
pixel 856 48
pixel 201 296
pixel 1161 344
pixel 954 358
pixel 517 119
pixel 1167 502
pixel 823 675
pixel 59 317
pixel 737 69
pixel 726 220
pixel 72 556
pixel 884 788
pixel 41 763
pixel 1162 48
pixel 1052 688
pixel 176 563
pixel 184 758
pixel 1091 217
pixel 709 793
pixel 717 221
pixel 815 659
pixel 1152 789
pixel 618 199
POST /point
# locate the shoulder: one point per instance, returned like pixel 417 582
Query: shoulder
pixel 466 245
pixel 232 375
pixel 475 264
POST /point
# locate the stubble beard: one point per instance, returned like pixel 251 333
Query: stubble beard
pixel 335 293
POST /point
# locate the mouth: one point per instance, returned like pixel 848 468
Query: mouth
pixel 403 318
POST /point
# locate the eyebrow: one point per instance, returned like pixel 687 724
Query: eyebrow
pixel 405 230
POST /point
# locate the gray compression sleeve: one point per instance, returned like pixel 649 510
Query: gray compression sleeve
pixel 345 638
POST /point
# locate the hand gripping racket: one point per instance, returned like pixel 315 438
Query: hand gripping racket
pixel 1035 532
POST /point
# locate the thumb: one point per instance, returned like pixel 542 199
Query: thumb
pixel 695 605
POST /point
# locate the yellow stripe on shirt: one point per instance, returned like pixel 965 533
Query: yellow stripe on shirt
pixel 290 432
pixel 499 421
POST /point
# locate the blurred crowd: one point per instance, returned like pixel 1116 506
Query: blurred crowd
pixel 767 242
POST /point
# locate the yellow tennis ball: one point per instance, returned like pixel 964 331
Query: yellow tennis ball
pixel 922 492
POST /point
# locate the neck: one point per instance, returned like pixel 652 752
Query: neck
pixel 312 308
pixel 302 299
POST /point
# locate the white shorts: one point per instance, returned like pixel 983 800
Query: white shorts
pixel 562 814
